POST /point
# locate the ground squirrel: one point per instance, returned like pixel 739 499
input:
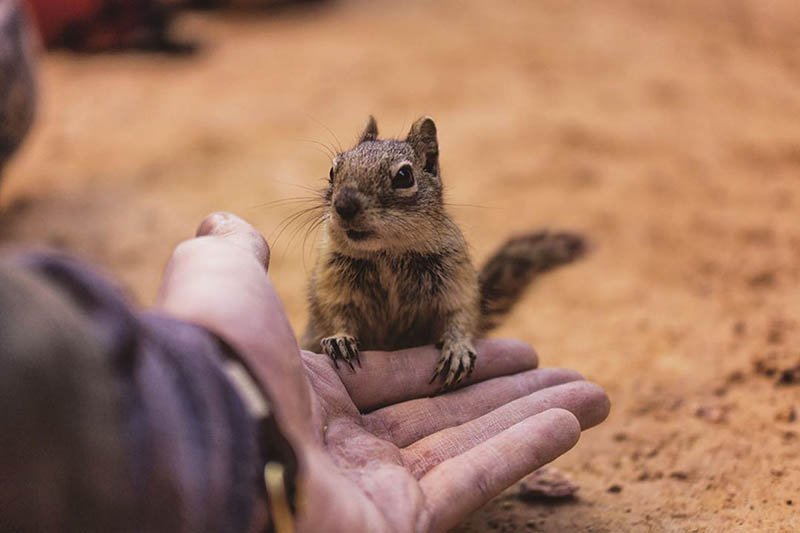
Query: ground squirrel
pixel 393 269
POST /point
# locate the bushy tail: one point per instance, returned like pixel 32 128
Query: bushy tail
pixel 505 276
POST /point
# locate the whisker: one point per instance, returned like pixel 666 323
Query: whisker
pixel 296 185
pixel 285 201
pixel 307 219
pixel 312 229
pixel 448 204
pixel 303 221
pixel 286 222
pixel 329 151
pixel 326 153
pixel 402 128
pixel 335 138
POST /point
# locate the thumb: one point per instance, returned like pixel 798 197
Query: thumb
pixel 218 280
pixel 236 231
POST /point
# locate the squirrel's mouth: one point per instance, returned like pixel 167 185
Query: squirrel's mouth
pixel 354 235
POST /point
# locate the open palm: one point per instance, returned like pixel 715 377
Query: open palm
pixel 377 451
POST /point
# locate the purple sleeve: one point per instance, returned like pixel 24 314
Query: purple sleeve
pixel 194 458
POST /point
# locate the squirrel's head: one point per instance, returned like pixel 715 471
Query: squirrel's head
pixel 386 194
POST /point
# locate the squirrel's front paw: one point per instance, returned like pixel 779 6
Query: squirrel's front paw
pixel 342 347
pixel 456 363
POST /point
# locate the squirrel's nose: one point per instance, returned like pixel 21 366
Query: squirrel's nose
pixel 347 204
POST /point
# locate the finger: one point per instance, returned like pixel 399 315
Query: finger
pixel 219 283
pixel 586 401
pixel 462 484
pixel 391 377
pixel 236 231
pixel 408 422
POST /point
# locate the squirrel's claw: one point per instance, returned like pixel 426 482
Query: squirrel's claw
pixel 456 363
pixel 346 351
pixel 439 368
pixel 342 347
pixel 355 352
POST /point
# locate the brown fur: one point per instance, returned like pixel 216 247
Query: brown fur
pixel 505 276
pixel 393 269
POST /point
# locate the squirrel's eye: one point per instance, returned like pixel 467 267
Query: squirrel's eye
pixel 404 178
pixel 330 175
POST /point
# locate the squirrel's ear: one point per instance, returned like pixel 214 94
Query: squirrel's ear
pixel 422 138
pixel 370 132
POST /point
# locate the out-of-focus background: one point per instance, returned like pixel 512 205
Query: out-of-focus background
pixel 668 132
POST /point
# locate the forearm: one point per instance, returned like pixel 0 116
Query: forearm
pixel 198 286
pixel 192 457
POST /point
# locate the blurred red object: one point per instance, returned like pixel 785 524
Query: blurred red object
pixel 96 25
pixel 54 17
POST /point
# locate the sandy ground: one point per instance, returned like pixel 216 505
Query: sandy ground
pixel 668 132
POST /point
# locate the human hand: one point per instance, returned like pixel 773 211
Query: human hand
pixel 376 452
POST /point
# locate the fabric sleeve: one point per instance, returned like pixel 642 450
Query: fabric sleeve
pixel 194 458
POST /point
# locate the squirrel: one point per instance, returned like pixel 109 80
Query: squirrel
pixel 393 269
